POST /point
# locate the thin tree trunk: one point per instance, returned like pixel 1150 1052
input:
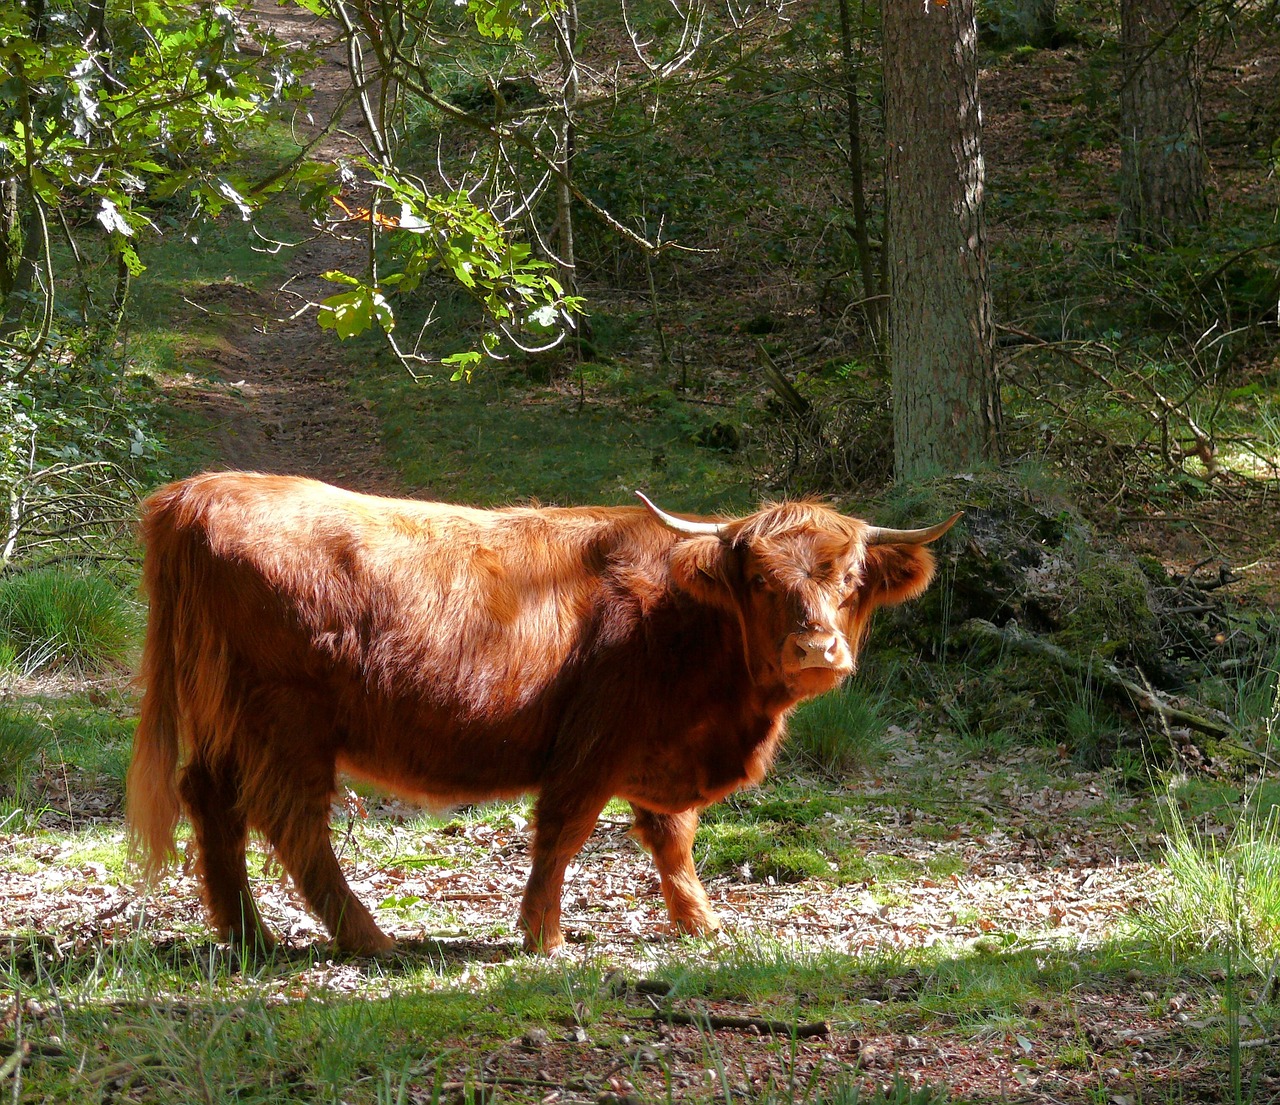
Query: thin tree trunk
pixel 945 392
pixel 871 288
pixel 567 47
pixel 1162 162
pixel 19 216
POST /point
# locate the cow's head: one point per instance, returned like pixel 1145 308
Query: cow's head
pixel 803 580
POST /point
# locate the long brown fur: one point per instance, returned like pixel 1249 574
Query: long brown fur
pixel 456 655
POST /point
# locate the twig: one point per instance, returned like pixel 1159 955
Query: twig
pixel 1185 520
pixel 785 389
pixel 749 1024
pixel 13 1062
pixel 482 1080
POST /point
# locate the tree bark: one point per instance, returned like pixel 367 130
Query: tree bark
pixel 1162 162
pixel 946 406
pixel 19 218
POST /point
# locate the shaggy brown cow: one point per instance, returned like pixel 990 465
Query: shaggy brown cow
pixel 456 654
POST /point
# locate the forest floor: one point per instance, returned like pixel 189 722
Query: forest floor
pixel 1016 893
pixel 1014 857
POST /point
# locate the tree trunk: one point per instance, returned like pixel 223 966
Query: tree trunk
pixel 1162 163
pixel 566 34
pixel 19 218
pixel 871 286
pixel 946 405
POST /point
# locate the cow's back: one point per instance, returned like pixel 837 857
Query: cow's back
pixel 439 643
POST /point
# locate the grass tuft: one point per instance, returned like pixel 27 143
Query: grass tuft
pixel 20 744
pixel 841 733
pixel 1221 894
pixel 53 617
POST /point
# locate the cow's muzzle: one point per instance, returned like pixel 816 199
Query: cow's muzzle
pixel 820 649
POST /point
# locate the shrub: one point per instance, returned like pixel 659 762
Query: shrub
pixel 1221 894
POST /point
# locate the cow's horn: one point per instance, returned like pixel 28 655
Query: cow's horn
pixel 682 525
pixel 876 535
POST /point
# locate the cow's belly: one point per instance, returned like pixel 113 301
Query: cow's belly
pixel 680 779
pixel 435 792
pixel 445 763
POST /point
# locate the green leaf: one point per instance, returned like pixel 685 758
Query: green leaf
pixel 348 314
pixel 353 312
pixel 464 363
pixel 131 260
pixel 496 19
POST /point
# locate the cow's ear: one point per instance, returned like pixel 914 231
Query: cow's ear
pixel 895 573
pixel 704 568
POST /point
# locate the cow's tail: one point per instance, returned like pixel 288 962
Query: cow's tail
pixel 152 806
pixel 183 673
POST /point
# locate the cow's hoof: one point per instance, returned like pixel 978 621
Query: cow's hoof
pixel 550 945
pixel 702 925
pixel 368 947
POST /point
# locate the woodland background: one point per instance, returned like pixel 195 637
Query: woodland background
pixel 1019 259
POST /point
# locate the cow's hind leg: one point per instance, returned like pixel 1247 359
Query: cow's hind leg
pixel 669 837
pixel 563 821
pixel 212 798
pixel 296 822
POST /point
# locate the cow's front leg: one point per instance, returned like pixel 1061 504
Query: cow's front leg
pixel 561 827
pixel 669 837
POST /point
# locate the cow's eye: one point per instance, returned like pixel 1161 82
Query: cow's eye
pixel 849 579
pixel 759 582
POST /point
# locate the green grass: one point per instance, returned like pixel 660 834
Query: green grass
pixel 1224 887
pixel 63 618
pixel 841 733
pixel 789 836
pixel 501 439
pixel 69 731
pixel 97 741
pixel 21 741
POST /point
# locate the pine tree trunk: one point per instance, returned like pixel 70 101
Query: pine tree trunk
pixel 1162 164
pixel 946 407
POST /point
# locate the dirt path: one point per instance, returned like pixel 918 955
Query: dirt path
pixel 278 397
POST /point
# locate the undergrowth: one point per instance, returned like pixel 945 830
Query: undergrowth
pixel 1223 891
pixel 65 618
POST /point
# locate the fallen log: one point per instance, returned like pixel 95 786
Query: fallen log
pixel 1104 673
